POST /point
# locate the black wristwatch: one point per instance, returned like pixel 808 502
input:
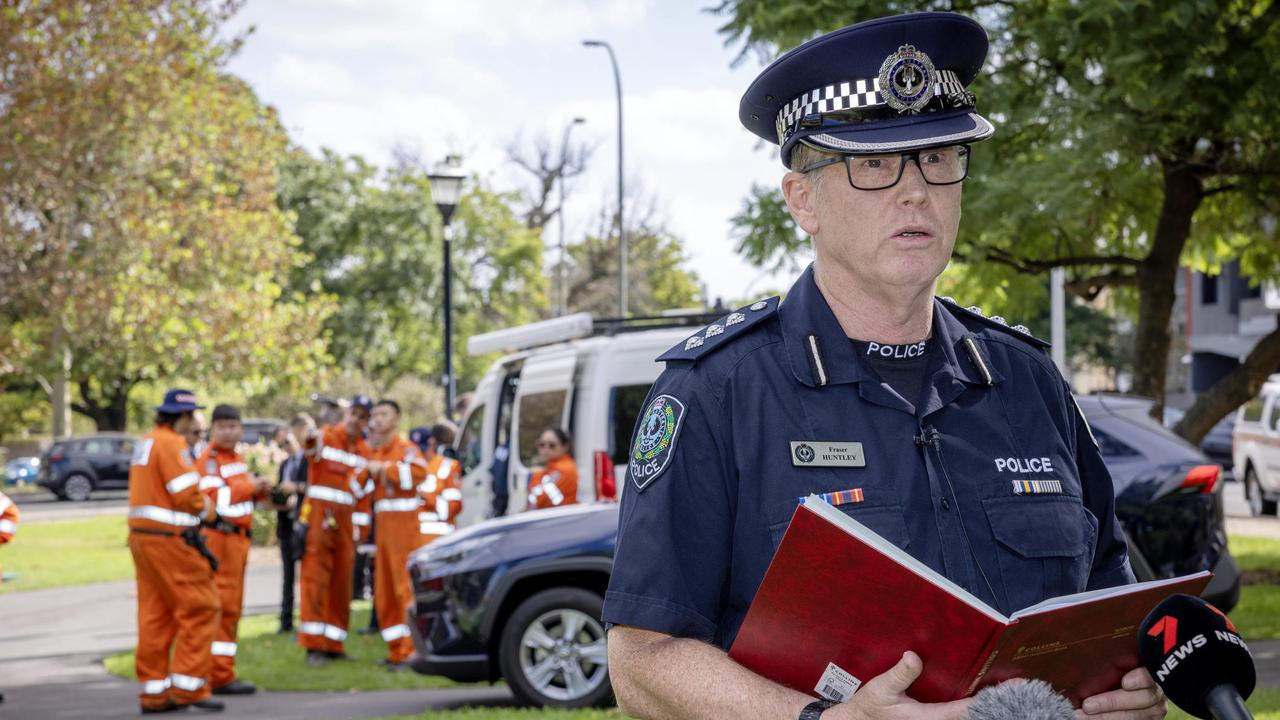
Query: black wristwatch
pixel 813 710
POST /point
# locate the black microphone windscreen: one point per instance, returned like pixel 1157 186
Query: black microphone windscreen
pixel 1020 700
pixel 1190 647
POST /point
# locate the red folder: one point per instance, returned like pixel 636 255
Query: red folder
pixel 839 605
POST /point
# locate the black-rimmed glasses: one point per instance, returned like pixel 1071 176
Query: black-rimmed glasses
pixel 939 166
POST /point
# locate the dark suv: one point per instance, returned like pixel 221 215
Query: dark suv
pixel 520 598
pixel 74 468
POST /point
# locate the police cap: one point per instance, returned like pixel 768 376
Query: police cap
pixel 887 85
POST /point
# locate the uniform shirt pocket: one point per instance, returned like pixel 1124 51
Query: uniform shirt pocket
pixel 884 520
pixel 1045 546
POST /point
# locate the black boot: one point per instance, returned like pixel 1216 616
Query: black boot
pixel 236 687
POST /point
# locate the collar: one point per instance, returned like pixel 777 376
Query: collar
pixel 820 353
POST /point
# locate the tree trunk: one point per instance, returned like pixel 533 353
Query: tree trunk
pixel 61 386
pixel 1156 279
pixel 110 412
pixel 1232 391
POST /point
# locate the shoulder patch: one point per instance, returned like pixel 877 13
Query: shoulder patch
pixel 719 333
pixel 656 435
pixel 973 312
pixel 142 451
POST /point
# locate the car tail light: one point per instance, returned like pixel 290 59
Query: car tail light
pixel 57 455
pixel 1202 478
pixel 606 481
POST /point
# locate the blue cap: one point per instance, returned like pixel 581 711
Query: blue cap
pixel 362 401
pixel 177 400
pixel 419 436
pixel 888 85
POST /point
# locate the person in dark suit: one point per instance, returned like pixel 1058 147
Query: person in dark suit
pixel 286 497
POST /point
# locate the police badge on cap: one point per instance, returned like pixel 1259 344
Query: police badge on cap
pixel 888 85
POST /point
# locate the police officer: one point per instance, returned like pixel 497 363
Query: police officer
pixel 861 381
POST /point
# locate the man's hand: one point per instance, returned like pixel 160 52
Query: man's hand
pixel 377 469
pixel 885 696
pixel 1138 699
pixel 261 485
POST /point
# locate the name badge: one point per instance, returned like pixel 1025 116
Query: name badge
pixel 815 453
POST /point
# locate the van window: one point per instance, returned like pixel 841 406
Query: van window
pixel 538 412
pixel 626 403
pixel 1253 410
pixel 469 443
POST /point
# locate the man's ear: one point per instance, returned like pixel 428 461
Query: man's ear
pixel 798 191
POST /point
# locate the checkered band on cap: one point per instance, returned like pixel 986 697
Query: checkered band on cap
pixel 855 95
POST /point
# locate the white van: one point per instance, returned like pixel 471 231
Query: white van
pixel 1255 448
pixel 587 377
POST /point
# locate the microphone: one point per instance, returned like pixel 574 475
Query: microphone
pixel 1196 656
pixel 1020 700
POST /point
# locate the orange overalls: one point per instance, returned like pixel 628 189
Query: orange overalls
pixel 554 486
pixel 325 577
pixel 396 504
pixel 9 516
pixel 228 486
pixel 176 593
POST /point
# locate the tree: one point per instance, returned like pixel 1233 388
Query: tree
pixel 139 235
pixel 550 167
pixel 373 240
pixel 657 275
pixel 1131 138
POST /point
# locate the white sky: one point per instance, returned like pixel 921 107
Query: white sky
pixel 362 76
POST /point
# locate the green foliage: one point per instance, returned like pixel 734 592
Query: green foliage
pixel 71 552
pixel 657 276
pixel 373 241
pixel 138 223
pixel 275 662
pixel 498 276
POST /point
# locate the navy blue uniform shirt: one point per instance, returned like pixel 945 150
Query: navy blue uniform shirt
pixel 994 480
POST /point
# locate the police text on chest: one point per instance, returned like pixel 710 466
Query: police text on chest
pixel 1024 465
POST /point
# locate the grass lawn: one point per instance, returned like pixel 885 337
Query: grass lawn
pixel 275 662
pixel 70 552
pixel 1258 614
pixel 1265 705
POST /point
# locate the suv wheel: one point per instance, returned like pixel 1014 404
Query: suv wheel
pixel 552 650
pixel 1258 505
pixel 77 487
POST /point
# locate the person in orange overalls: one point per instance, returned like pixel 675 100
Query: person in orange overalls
pixel 232 490
pixel 334 456
pixel 9 517
pixel 177 599
pixel 442 490
pixel 396 469
pixel 555 483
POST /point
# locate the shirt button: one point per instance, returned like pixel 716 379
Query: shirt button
pixel 946 504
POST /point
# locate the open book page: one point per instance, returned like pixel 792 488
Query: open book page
pixel 1091 595
pixel 862 532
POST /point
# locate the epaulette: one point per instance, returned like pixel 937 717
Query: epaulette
pixel 719 333
pixel 973 311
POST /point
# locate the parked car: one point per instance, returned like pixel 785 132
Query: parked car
pixel 519 598
pixel 1216 445
pixel 76 467
pixel 20 471
pixel 259 430
pixel 1255 445
pixel 587 377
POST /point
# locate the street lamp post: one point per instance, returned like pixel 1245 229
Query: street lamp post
pixel 446 191
pixel 562 299
pixel 622 240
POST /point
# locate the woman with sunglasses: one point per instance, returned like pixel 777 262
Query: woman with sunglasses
pixel 554 483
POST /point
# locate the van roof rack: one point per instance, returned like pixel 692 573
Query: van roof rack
pixel 617 326
pixel 579 325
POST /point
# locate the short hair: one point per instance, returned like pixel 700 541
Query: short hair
pixel 804 155
pixel 226 412
pixel 389 403
pixel 561 436
pixel 444 432
pixel 302 419
pixel 171 419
